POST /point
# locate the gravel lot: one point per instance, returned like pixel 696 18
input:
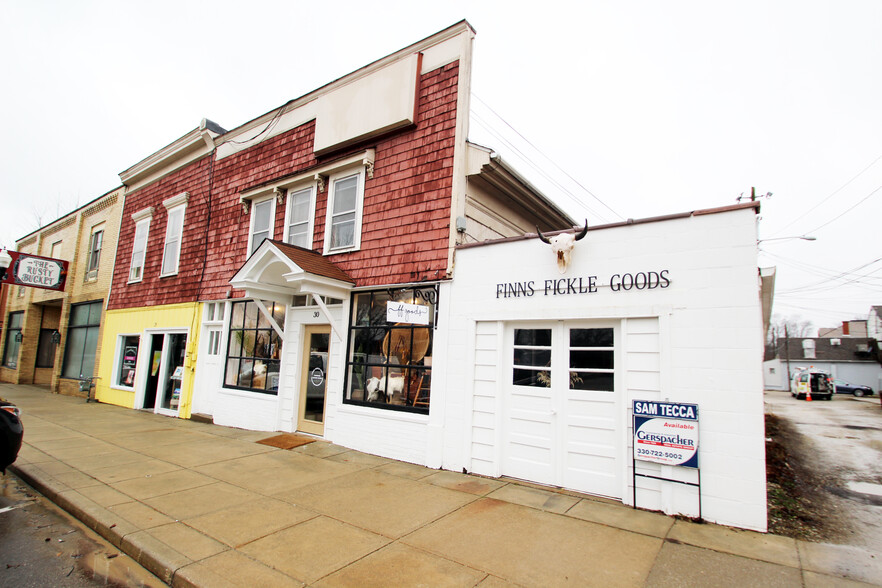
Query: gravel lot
pixel 840 441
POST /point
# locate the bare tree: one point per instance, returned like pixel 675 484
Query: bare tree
pixel 789 326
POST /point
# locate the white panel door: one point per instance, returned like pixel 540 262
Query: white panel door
pixel 591 412
pixel 562 413
pixel 530 428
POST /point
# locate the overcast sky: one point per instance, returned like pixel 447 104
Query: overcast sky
pixel 623 109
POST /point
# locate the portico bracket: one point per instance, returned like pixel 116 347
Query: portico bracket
pixel 269 317
pixel 327 313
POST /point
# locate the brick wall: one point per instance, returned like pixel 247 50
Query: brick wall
pixel 405 226
pixel 50 309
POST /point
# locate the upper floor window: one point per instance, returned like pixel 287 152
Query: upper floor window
pixel 139 246
pixel 95 242
pixel 55 252
pixel 262 214
pixel 171 251
pixel 343 224
pixel 298 224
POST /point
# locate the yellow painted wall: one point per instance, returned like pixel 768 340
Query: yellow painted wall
pixel 138 320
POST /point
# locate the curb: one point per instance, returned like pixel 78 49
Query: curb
pixel 120 534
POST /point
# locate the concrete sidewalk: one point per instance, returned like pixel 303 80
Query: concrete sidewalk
pixel 204 505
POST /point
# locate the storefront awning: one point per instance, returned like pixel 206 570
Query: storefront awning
pixel 278 271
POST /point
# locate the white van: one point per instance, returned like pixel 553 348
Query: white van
pixel 816 382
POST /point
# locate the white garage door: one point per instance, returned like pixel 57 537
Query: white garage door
pixel 561 420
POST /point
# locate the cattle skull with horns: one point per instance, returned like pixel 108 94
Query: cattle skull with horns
pixel 562 244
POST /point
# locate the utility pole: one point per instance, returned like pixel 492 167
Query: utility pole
pixel 787 353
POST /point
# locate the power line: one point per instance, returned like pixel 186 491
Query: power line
pixel 835 218
pixel 574 180
pixel 481 122
pixel 836 191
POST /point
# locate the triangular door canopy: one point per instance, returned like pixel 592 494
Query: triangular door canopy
pixel 278 271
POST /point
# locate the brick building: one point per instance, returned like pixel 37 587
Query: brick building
pixel 60 332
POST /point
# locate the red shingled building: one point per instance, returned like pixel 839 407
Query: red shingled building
pixel 290 274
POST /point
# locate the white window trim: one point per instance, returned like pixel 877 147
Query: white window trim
pixel 359 208
pixel 172 205
pixel 272 219
pixel 120 340
pixel 310 222
pixel 146 222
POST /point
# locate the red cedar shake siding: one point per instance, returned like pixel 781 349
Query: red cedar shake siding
pixel 405 220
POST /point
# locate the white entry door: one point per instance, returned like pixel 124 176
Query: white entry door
pixel 563 414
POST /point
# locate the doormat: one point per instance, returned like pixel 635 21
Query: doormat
pixel 286 441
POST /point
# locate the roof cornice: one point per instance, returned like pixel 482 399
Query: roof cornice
pixel 195 144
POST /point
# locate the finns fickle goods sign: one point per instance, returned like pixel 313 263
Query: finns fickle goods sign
pixel 36 271
pixel 666 432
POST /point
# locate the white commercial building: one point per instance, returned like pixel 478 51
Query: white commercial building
pixel 543 367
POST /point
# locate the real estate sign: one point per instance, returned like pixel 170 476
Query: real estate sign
pixel 36 271
pixel 666 432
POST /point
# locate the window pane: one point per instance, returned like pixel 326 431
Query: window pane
pixel 534 378
pixel 345 194
pixel 300 206
pixel 591 337
pixel 79 315
pixel 95 313
pixel 251 315
pixel 95 250
pixel 532 357
pixel 10 349
pixel 278 311
pixel 262 212
pixel 138 248
pixel 170 258
pixel 535 337
pixel 592 381
pixel 232 373
pixel 73 353
pixel 257 239
pixel 238 315
pixel 343 233
pixel 297 235
pixel 175 218
pixel 91 344
pixel 591 359
pixel 16 319
pixel 128 361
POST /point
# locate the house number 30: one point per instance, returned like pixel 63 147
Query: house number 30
pixel 315 314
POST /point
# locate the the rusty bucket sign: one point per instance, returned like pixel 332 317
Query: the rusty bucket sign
pixel 36 271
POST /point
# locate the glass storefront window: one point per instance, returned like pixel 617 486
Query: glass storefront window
pixel 127 361
pixel 254 350
pixel 389 364
pixel 13 328
pixel 82 340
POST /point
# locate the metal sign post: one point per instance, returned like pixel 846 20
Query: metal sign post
pixel 665 433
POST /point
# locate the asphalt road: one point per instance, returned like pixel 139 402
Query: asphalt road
pixel 41 545
pixel 846 438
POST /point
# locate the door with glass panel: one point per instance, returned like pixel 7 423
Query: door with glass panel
pixel 163 385
pixel 561 411
pixel 314 379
